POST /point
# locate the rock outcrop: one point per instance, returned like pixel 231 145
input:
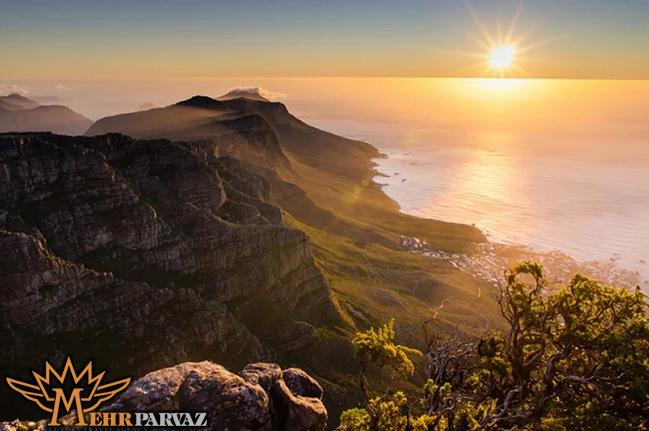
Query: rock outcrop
pixel 140 254
pixel 261 398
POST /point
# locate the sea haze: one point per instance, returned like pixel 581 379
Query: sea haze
pixel 555 164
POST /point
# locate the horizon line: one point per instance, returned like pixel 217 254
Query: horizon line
pixel 185 78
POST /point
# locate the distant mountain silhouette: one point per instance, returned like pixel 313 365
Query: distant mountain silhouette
pixel 4 106
pixel 202 118
pixel 203 102
pixel 230 119
pixel 185 120
pixel 21 114
pixel 17 102
pixel 48 100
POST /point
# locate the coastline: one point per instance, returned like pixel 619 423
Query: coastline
pixel 490 259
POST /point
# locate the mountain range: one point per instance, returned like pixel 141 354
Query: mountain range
pixel 21 114
pixel 213 229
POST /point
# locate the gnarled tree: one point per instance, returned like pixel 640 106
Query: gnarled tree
pixel 576 358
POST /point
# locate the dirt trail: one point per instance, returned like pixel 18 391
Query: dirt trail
pixel 437 310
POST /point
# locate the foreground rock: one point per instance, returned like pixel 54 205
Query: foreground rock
pixel 262 397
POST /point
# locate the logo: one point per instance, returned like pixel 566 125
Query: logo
pixel 84 396
pixel 61 393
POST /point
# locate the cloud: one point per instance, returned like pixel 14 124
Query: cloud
pixel 61 87
pixel 252 91
pixel 146 106
pixel 12 88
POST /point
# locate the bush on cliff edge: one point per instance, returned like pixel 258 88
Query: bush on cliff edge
pixel 574 359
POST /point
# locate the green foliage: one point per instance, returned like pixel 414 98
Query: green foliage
pixel 431 388
pixel 390 416
pixel 574 359
pixel 377 347
pixel 355 420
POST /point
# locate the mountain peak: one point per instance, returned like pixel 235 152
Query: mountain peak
pixel 16 101
pixel 16 96
pixel 202 102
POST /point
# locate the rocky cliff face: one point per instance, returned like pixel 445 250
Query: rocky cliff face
pixel 142 254
pixel 263 397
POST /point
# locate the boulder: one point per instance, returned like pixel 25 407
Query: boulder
pixel 257 399
pixel 301 383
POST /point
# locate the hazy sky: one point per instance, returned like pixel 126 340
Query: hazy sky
pixel 129 39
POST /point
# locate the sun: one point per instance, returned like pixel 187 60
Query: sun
pixel 502 57
pixel 503 49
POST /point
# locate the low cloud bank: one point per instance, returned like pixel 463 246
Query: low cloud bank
pixel 6 89
pixel 254 91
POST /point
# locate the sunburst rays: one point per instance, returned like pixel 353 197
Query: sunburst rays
pixel 498 44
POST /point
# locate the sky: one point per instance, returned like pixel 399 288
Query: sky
pixel 165 39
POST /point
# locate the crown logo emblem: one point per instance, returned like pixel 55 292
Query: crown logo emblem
pixel 91 394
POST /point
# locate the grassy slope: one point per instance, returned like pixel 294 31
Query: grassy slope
pixel 374 273
pixel 373 278
pixel 354 229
